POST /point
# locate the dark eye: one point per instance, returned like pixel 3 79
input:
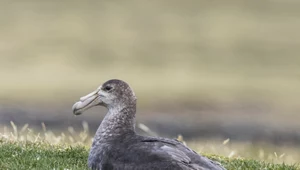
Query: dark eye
pixel 107 88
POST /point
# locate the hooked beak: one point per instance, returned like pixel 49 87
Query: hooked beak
pixel 87 102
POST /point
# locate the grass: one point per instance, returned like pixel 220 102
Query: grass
pixel 26 149
pixel 42 155
pixel 231 51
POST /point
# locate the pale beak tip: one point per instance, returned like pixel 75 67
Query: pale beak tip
pixel 75 110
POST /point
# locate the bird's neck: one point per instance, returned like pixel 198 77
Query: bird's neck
pixel 118 121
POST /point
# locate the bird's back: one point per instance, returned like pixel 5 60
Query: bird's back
pixel 142 153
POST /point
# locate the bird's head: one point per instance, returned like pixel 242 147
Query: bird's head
pixel 111 94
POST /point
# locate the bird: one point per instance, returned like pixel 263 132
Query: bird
pixel 117 146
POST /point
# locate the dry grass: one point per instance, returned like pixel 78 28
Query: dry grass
pixel 262 151
pixel 193 51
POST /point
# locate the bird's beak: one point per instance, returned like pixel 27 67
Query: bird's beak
pixel 87 102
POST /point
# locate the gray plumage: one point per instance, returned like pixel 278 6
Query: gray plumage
pixel 116 146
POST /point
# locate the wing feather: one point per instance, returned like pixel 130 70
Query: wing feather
pixel 173 150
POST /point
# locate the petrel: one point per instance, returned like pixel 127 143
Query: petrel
pixel 116 145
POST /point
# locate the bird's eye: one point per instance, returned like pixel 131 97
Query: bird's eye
pixel 107 88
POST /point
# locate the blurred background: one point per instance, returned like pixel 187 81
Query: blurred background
pixel 223 74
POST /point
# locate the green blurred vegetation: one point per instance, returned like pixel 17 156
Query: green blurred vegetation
pixel 211 51
pixel 170 52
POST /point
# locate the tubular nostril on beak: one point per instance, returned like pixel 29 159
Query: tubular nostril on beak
pixel 86 102
pixel 89 95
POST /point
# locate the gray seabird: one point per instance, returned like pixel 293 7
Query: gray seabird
pixel 116 146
